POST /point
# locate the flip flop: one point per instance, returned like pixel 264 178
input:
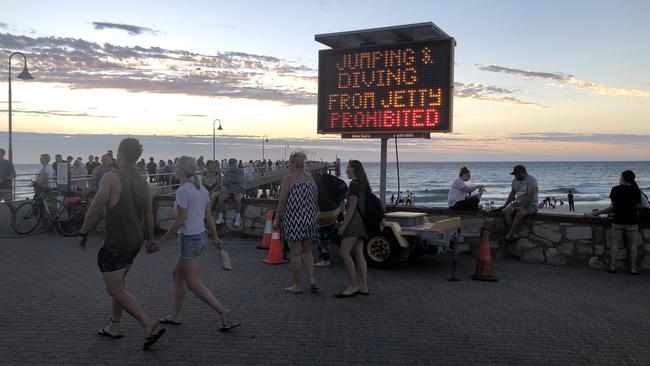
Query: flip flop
pixel 293 290
pixel 165 320
pixel 229 325
pixel 105 333
pixel 341 295
pixel 313 288
pixel 153 338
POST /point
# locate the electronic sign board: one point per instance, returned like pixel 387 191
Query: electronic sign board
pixel 390 89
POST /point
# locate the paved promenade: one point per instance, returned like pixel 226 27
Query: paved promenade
pixel 52 302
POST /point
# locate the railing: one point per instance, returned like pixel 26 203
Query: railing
pixel 164 183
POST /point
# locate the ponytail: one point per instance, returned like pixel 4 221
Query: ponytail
pixel 196 182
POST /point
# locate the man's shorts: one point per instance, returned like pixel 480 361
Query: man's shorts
pixel 528 210
pixel 191 246
pixel 628 233
pixel 109 261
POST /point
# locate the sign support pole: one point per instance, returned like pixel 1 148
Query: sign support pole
pixel 382 171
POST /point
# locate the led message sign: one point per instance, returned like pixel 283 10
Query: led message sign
pixel 399 88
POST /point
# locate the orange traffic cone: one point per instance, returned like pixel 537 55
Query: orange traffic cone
pixel 275 250
pixel 268 230
pixel 484 270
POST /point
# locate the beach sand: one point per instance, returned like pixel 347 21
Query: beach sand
pixel 580 209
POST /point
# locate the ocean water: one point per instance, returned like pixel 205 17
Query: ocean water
pixel 591 182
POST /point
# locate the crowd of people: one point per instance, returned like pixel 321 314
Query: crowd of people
pixel 309 207
pixel 124 197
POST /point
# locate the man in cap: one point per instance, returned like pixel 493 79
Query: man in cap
pixel 521 202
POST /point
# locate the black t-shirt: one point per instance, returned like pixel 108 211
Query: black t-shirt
pixel 356 190
pixel 152 168
pixel 625 201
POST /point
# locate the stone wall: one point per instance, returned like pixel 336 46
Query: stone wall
pixel 546 238
pixel 253 216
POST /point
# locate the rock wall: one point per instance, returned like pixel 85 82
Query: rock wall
pixel 546 238
pixel 253 216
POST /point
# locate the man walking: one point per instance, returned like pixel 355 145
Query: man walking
pixel 571 204
pixel 125 198
pixel 524 199
pixel 7 174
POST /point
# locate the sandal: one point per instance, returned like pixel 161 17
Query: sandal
pixel 612 270
pixel 313 288
pixel 166 320
pixel 153 338
pixel 228 325
pixel 106 333
pixel 294 290
pixel 634 272
pixel 341 295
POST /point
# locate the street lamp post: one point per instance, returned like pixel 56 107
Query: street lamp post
pixel 214 149
pixel 24 75
pixel 264 139
pixel 285 151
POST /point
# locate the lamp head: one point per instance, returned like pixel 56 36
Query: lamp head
pixel 219 128
pixel 25 75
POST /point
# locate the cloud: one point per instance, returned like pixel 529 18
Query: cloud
pixel 4 25
pixel 81 64
pixel 602 138
pixel 49 113
pixel 562 80
pixel 193 115
pixel 133 30
pixel 490 93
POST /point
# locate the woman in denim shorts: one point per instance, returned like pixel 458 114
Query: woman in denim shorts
pixel 192 210
pixel 625 198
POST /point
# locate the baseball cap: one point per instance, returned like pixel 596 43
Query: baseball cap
pixel 518 169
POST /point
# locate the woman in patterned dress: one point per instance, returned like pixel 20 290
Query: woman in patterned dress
pixel 352 232
pixel 296 215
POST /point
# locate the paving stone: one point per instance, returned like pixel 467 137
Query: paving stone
pixel 412 316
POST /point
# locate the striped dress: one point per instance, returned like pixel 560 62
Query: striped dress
pixel 300 215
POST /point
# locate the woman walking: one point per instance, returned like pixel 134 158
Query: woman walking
pixel 625 198
pixel 352 232
pixel 296 215
pixel 192 211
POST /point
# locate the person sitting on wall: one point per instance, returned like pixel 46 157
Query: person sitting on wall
pixel 232 186
pixel 460 194
pixel 524 199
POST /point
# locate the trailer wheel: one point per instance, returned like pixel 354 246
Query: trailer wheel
pixel 379 249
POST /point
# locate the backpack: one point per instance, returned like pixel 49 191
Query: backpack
pixel 373 213
pixel 331 191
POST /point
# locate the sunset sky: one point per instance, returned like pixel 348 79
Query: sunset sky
pixel 554 80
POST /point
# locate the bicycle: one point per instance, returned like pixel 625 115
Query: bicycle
pixel 68 218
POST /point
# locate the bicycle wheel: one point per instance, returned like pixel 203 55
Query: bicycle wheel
pixel 26 218
pixel 70 219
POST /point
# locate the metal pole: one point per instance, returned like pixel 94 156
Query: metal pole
pixel 382 171
pixel 213 144
pixel 10 112
pixel 263 149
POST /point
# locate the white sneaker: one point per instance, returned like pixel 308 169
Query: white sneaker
pixel 219 220
pixel 237 221
pixel 322 263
